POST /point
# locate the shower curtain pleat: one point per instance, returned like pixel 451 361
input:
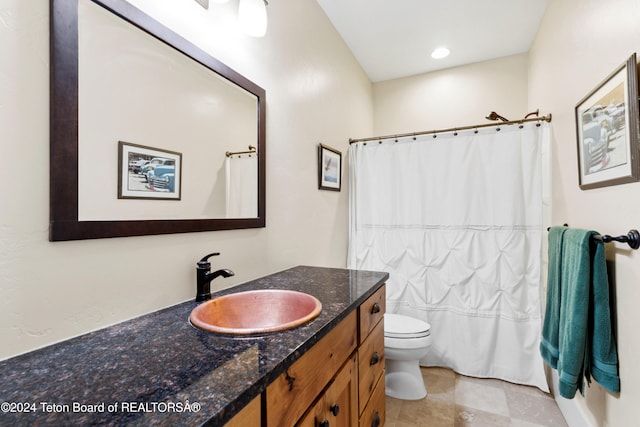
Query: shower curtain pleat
pixel 457 222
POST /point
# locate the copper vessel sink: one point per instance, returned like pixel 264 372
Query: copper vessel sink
pixel 255 312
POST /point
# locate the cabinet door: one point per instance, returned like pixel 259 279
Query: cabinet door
pixel 292 393
pixel 338 406
pixel 248 416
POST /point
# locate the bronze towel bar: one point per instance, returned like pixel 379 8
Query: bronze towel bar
pixel 632 238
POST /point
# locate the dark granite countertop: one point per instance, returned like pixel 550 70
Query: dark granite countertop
pixel 157 369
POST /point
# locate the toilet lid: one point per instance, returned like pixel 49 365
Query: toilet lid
pixel 399 326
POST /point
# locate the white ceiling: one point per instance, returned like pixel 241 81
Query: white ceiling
pixel 395 38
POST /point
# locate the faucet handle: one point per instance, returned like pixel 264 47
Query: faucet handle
pixel 204 262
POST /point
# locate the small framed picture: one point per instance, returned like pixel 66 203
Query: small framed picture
pixel 329 168
pixel 607 130
pixel 148 173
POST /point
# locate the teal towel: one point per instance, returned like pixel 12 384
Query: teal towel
pixel 549 346
pixel 604 356
pixel 577 336
pixel 575 286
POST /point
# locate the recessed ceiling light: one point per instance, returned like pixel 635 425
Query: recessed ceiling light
pixel 440 53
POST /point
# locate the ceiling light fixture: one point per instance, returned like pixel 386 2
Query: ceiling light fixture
pixel 203 3
pixel 252 15
pixel 439 53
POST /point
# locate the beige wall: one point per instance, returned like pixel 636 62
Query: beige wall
pixel 454 97
pixel 579 43
pixel 316 92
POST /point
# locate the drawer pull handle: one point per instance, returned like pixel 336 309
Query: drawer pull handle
pixel 375 309
pixel 325 423
pixel 375 358
pixel 375 421
pixel 335 410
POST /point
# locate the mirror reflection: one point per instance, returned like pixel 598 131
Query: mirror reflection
pixel 149 134
pixel 134 88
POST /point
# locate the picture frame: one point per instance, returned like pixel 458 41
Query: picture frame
pixel 329 168
pixel 607 130
pixel 148 173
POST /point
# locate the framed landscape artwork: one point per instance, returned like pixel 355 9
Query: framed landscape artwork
pixel 329 168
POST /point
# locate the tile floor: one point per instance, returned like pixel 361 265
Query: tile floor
pixel 454 400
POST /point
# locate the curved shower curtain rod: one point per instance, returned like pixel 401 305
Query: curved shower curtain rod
pixel 456 129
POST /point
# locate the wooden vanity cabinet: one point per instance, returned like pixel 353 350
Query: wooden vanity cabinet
pixel 340 380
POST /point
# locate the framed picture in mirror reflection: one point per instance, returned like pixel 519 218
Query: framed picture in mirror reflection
pixel 148 173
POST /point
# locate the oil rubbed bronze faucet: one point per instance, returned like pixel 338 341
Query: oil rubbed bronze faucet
pixel 204 277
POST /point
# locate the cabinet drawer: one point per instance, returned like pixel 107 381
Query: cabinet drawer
pixel 371 312
pixel 370 363
pixel 374 414
pixel 291 394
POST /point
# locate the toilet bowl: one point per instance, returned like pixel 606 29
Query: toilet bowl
pixel 406 341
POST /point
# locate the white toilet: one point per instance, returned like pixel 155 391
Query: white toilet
pixel 406 341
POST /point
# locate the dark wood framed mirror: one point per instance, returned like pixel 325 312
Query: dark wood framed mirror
pixel 71 174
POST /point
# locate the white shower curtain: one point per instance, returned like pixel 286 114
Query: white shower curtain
pixel 241 186
pixel 456 220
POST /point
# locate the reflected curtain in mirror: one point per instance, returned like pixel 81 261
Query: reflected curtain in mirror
pixel 240 189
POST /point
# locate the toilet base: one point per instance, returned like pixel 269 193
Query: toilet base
pixel 403 380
